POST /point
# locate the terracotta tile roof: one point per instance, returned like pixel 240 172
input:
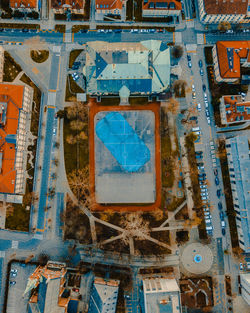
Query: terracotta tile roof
pixel 32 4
pixel 74 4
pixel 11 99
pixel 235 109
pixel 108 4
pixel 161 5
pixel 229 55
pixel 226 6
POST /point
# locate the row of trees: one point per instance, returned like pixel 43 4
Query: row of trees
pixel 9 13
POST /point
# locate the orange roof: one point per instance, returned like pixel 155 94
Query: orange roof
pixel 73 4
pixel 32 4
pixel 108 4
pixel 226 6
pixel 229 54
pixel 236 110
pixel 161 5
pixel 11 100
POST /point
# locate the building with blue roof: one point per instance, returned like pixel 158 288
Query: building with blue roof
pixel 104 294
pixel 144 67
pixel 161 295
pixel 239 171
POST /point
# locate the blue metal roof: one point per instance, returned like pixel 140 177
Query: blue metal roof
pixel 100 64
pixel 230 57
pixel 134 85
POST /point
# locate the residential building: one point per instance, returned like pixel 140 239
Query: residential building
pixel 216 11
pixel 24 4
pixel 239 170
pixel 161 8
pixel 46 285
pixel 161 295
pixel 103 296
pixel 110 8
pixel 75 6
pixel 1 63
pixel 245 287
pixel 15 111
pixel 229 57
pixel 234 110
pixel 142 67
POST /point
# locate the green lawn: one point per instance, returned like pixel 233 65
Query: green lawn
pixel 73 55
pixel 11 69
pixel 70 151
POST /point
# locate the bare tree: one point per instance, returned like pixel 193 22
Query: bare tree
pixel 177 52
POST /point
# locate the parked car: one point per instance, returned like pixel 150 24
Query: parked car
pixel 218 192
pixel 193 95
pixel 229 31
pixel 203 186
pixel 12 282
pixel 208 120
pixel 201 72
pixel 207 113
pixel 188 57
pixel 13 270
pixel 198 106
pixel 222 215
pixel 215 172
pixel 204 87
pixel 200 63
pixel 223 231
pixel 13 274
pixel 193 118
pixel 193 88
pixel 217 181
pixel 220 206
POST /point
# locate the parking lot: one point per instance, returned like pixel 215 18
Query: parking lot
pixel 19 274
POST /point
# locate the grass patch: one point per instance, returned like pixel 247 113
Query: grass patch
pixel 11 69
pixel 72 89
pixel 39 56
pixel 73 55
pixel 19 25
pixel 208 55
pixel 228 194
pixel 77 28
pixel 71 151
pixel 60 28
pixel 167 166
pixel 35 107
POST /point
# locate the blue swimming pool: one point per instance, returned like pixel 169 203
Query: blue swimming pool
pixel 122 141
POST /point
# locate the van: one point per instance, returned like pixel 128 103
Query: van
pixel 194 129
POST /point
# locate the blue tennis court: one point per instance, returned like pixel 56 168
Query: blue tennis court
pixel 122 142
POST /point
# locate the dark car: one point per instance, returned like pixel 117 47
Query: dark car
pixel 200 164
pixel 200 63
pixel 188 57
pixel 12 282
pixel 218 192
pixel 207 113
pixel 199 156
pixel 84 30
pixel 215 172
pixel 221 215
pixel 117 30
pixel 193 118
pixel 204 87
pixel 25 30
pixel 217 181
pixel 198 152
pixel 223 230
pixel 220 206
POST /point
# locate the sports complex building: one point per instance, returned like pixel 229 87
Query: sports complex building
pixel 15 108
pixel 125 155
pixel 140 67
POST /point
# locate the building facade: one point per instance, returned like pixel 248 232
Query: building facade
pixel 228 58
pixel 74 6
pixel 161 8
pixel 245 287
pixel 161 295
pixel 216 11
pixel 103 296
pixel 110 8
pixel 24 5
pixel 238 157
pixel 234 110
pixel 15 111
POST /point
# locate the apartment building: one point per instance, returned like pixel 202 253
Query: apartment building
pixel 239 170
pixel 234 110
pixel 161 8
pixel 216 11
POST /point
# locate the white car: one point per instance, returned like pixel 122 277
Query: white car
pixel 203 186
pixel 204 198
pixel 198 106
pixel 204 190
pixel 193 88
pixel 206 103
pixel 208 120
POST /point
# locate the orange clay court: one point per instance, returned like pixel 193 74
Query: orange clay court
pixel 125 163
pixel 11 99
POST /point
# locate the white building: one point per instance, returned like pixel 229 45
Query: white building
pixel 245 287
pixel 216 11
pixel 161 295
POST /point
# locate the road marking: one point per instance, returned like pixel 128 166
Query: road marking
pixel 173 37
pixel 52 90
pixel 72 37
pixel 51 107
pixel 191 51
pixel 204 39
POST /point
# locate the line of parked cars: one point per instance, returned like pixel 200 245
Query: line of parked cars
pixel 13 274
